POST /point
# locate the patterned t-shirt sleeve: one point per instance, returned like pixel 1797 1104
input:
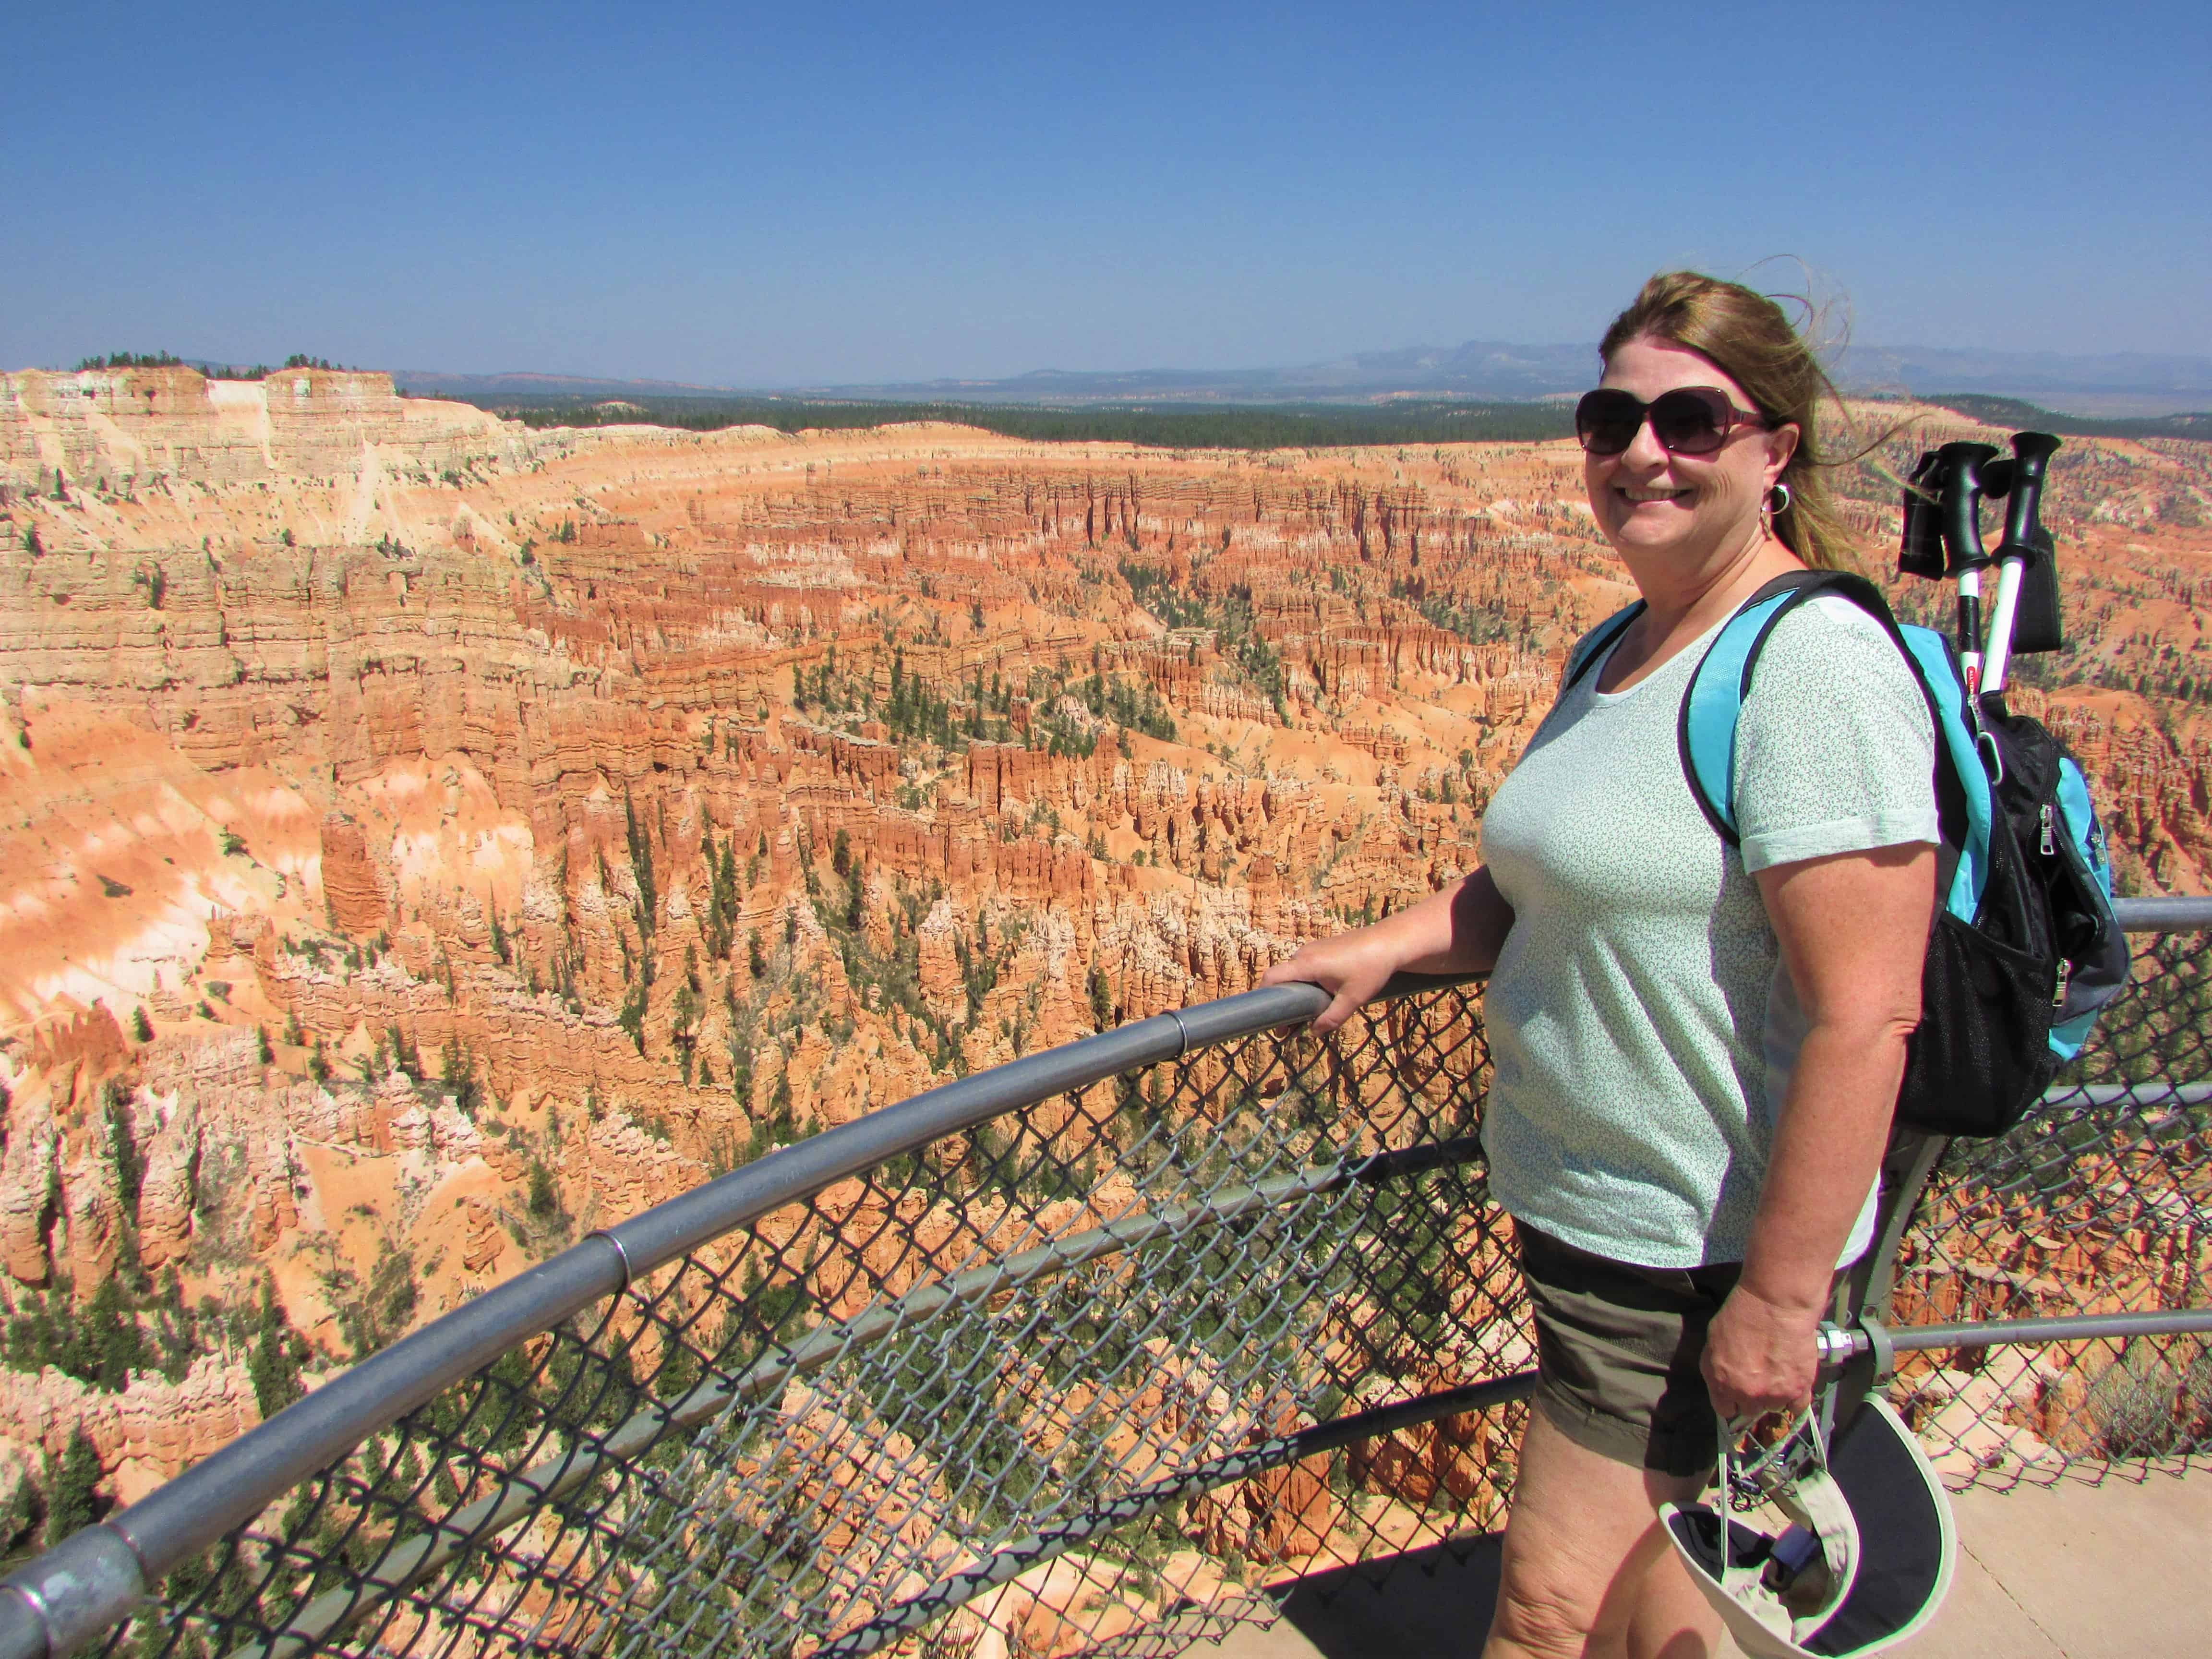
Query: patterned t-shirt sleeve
pixel 1835 751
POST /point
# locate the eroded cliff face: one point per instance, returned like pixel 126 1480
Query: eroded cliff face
pixel 422 840
pixel 109 428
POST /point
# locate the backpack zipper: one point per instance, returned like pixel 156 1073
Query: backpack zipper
pixel 2050 831
pixel 2058 991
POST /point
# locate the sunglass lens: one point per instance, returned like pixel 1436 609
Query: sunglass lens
pixel 1606 421
pixel 1688 421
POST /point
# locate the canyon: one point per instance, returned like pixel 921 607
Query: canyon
pixel 424 840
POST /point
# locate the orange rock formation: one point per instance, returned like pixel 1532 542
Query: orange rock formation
pixel 430 838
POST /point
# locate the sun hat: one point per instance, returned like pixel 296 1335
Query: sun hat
pixel 1866 1556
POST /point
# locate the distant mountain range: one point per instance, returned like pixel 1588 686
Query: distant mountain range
pixel 2116 383
pixel 2111 383
pixel 522 386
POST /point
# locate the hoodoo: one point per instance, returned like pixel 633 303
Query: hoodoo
pixel 428 840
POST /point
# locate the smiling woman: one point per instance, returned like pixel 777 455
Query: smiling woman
pixel 1774 379
pixel 1697 1039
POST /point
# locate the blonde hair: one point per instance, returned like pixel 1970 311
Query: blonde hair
pixel 1748 336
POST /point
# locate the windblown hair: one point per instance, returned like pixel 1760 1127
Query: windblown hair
pixel 1750 339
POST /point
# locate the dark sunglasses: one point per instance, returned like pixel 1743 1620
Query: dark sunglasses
pixel 1691 419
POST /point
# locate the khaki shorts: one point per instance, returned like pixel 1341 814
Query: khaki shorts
pixel 1617 1352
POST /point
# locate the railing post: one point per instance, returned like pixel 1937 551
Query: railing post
pixel 70 1596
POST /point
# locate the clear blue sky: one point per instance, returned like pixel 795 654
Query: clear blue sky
pixel 814 193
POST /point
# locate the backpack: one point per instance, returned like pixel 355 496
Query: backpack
pixel 2026 948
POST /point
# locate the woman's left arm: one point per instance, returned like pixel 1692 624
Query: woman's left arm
pixel 1853 930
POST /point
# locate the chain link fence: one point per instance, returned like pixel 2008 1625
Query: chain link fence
pixel 1088 1376
pixel 2102 1203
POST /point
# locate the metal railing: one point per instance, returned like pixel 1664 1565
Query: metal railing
pixel 1078 1355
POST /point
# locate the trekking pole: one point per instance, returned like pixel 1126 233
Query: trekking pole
pixel 1960 470
pixel 1921 552
pixel 2025 616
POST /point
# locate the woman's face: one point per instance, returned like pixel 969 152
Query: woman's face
pixel 1676 514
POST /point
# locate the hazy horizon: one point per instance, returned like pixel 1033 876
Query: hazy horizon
pixel 2112 384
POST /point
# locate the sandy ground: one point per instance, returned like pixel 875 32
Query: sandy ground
pixel 2072 1571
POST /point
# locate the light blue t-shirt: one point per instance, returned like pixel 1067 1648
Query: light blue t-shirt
pixel 1642 1024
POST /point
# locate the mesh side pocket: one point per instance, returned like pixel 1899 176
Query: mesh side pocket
pixel 1982 1056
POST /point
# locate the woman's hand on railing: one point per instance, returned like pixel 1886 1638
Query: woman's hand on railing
pixel 1457 931
pixel 1352 968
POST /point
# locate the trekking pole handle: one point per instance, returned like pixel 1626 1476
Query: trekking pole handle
pixel 2022 544
pixel 1961 467
pixel 1960 470
pixel 1920 547
pixel 2030 458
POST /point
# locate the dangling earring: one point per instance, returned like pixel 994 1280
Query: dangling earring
pixel 1771 507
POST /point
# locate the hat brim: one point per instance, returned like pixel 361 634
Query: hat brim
pixel 1908 1543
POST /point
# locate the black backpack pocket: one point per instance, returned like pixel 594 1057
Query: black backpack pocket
pixel 1982 1055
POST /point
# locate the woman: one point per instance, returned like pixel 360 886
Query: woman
pixel 1696 1046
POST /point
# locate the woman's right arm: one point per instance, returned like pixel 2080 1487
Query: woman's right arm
pixel 1459 930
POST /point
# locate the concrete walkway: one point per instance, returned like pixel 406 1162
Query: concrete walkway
pixel 2072 1571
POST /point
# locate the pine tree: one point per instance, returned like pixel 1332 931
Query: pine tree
pixel 72 1495
pixel 544 1202
pixel 105 1345
pixel 272 1363
pixel 640 869
pixel 16 1513
pixel 123 1145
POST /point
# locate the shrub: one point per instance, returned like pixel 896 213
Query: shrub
pixel 544 1201
pixel 2135 1403
pixel 380 1314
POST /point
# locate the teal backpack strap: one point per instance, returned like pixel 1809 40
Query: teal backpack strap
pixel 1963 797
pixel 1705 728
pixel 1592 644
